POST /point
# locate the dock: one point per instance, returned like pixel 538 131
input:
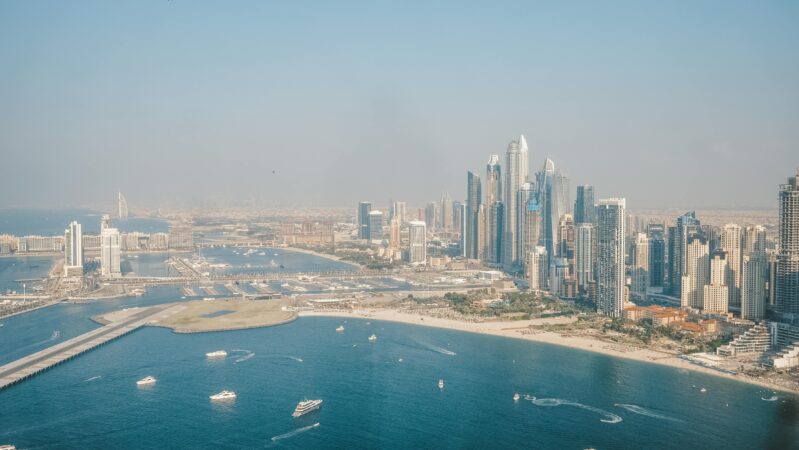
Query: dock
pixel 38 362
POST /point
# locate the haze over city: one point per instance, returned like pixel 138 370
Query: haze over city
pixel 194 103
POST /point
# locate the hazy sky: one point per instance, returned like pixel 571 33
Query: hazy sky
pixel 684 103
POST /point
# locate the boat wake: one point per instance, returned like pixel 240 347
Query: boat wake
pixel 773 398
pixel 244 358
pixel 646 412
pixel 55 335
pixel 241 350
pixel 290 434
pixel 294 358
pixel 93 378
pixel 609 417
pixel 437 349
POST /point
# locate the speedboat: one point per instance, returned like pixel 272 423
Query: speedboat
pixel 306 406
pixel 216 354
pixel 441 383
pixel 703 390
pixel 516 397
pixel 373 338
pixel 340 328
pixel 224 395
pixel 146 381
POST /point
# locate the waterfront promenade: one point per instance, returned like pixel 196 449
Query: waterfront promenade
pixel 31 365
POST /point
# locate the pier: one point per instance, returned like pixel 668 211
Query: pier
pixel 31 365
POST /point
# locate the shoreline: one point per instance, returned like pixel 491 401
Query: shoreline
pixel 322 255
pixel 514 330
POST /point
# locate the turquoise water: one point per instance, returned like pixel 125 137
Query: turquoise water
pixel 14 268
pixel 257 260
pixel 371 399
pixel 46 222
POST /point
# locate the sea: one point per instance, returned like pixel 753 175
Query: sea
pixel 381 394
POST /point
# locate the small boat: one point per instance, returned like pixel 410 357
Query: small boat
pixel 441 383
pixel 373 338
pixel 516 397
pixel 7 447
pixel 216 354
pixel 703 390
pixel 146 381
pixel 306 406
pixel 340 328
pixel 224 395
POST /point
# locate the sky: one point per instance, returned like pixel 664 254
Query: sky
pixel 190 103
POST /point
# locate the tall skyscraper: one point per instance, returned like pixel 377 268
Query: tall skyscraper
pixel 364 208
pixel 787 292
pixel 105 222
pixel 398 210
pixel 516 173
pixel 394 233
pixel 446 213
pixel 753 286
pixel 473 202
pixel 657 254
pixel 417 236
pixel 640 266
pixel 109 253
pixel 73 250
pixel 431 215
pixel 584 209
pixel 493 180
pixel 495 219
pixel 122 206
pixel 530 219
pixel 696 271
pixel 687 225
pixel 585 255
pixel 458 212
pixel 549 226
pixel 716 295
pixel 731 244
pixel 610 256
pixel 493 193
pixel 375 225
pixel 536 268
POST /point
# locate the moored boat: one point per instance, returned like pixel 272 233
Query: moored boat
pixel 306 406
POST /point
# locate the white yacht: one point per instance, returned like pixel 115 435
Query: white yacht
pixel 340 328
pixel 216 354
pixel 146 381
pixel 516 397
pixel 7 447
pixel 306 406
pixel 703 390
pixel 373 338
pixel 441 383
pixel 224 395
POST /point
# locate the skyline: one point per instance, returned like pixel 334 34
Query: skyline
pixel 210 100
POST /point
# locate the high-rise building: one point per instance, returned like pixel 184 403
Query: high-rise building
pixel 696 271
pixel 549 226
pixel 493 180
pixel 122 206
pixel 516 174
pixel 473 202
pixel 105 222
pixel 640 266
pixel 584 209
pixel 109 253
pixel 585 255
pixel 493 193
pixel 495 218
pixel 754 240
pixel 530 219
pixel 446 213
pixel 364 208
pixel 657 254
pixel 787 289
pixel 731 240
pixel 536 268
pixel 716 295
pixel 610 256
pixel 398 211
pixel 73 250
pixel 375 225
pixel 431 215
pixel 458 213
pixel 566 240
pixel 687 225
pixel 417 236
pixel 753 286
pixel 394 233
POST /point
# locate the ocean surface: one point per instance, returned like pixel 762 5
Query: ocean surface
pixel 381 394
pixel 14 268
pixel 45 222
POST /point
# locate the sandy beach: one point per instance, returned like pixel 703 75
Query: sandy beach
pixel 519 330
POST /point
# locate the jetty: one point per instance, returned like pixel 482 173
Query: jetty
pixel 31 365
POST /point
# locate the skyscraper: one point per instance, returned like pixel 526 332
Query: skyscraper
pixel 549 225
pixel 657 254
pixel 687 225
pixel 731 244
pixel 787 293
pixel 122 206
pixel 536 268
pixel 585 255
pixel 495 219
pixel 493 193
pixel 584 209
pixel 640 266
pixel 493 180
pixel 105 222
pixel 431 215
pixel 364 208
pixel 417 236
pixel 446 213
pixel 394 233
pixel 375 225
pixel 610 256
pixel 716 296
pixel 696 271
pixel 516 173
pixel 530 219
pixel 109 253
pixel 73 250
pixel 398 210
pixel 473 201
pixel 753 286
